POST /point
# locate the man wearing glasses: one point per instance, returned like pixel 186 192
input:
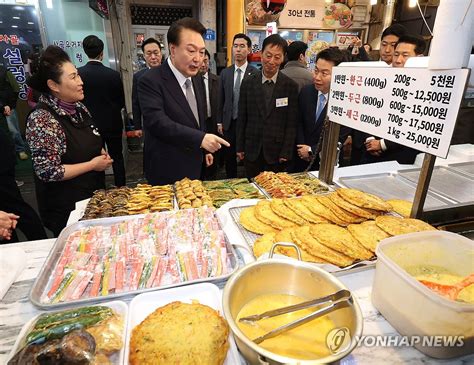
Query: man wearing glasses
pixel 312 102
pixel 152 53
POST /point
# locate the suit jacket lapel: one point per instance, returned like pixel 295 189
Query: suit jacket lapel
pixel 278 86
pixel 198 84
pixel 176 92
pixel 260 99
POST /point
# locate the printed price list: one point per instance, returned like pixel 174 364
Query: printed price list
pixel 413 107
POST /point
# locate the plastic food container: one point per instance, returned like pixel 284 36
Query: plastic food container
pixel 412 308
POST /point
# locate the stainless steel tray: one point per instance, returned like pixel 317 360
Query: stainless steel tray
pixel 463 167
pixel 43 280
pixel 446 182
pixel 251 237
pixel 390 186
pixel 307 174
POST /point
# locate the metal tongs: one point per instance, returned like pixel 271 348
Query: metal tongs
pixel 336 300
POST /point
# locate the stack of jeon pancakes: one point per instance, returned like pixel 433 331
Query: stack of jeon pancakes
pixel 339 228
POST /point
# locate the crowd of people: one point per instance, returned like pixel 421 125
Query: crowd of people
pixel 191 120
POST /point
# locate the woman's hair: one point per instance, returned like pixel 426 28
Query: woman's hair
pixel 49 68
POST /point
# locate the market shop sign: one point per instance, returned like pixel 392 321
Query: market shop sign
pixel 413 107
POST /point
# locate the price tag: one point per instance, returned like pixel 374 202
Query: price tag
pixel 413 107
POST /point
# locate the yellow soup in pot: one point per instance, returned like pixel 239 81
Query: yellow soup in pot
pixel 306 342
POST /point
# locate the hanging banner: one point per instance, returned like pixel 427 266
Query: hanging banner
pixel 303 14
pixel 413 107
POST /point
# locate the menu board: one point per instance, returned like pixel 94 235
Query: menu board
pixel 413 107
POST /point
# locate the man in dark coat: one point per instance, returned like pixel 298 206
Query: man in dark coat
pixel 211 82
pixel 104 97
pixel 152 53
pixel 268 107
pixel 230 81
pixel 313 109
pixel 173 103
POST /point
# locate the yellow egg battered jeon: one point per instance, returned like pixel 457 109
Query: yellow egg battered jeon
pixel 340 239
pixel 279 208
pixel 297 206
pixel 180 333
pixel 402 207
pixel 364 200
pixel 285 236
pixel 263 244
pixel 395 225
pixel 251 223
pixel 354 209
pixel 312 203
pixel 265 214
pixel 342 214
pixel 303 238
pixel 368 234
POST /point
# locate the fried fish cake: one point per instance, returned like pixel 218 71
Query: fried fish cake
pixel 339 212
pixel 312 203
pixel 402 207
pixel 341 240
pixel 252 224
pixel 297 206
pixel 279 208
pixel 180 333
pixel 354 209
pixel 368 234
pixel 395 225
pixel 303 238
pixel 265 214
pixel 364 200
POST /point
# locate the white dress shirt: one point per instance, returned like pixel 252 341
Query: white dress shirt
pixel 180 77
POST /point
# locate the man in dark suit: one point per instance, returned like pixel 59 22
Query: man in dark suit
pixel 151 49
pixel 380 149
pixel 229 90
pixel 211 89
pixel 268 107
pixel 104 97
pixel 173 103
pixel 313 109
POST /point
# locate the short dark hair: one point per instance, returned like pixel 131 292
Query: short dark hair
pixel 174 32
pixel 395 29
pixel 149 41
pixel 295 49
pixel 333 55
pixel 243 36
pixel 418 42
pixel 49 68
pixel 208 54
pixel 93 46
pixel 275 40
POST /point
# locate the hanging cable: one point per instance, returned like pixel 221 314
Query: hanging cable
pixel 423 17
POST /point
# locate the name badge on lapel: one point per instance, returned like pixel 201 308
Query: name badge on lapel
pixel 281 102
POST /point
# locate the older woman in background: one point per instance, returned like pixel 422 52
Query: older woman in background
pixel 66 147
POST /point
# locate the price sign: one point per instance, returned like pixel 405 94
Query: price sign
pixel 413 107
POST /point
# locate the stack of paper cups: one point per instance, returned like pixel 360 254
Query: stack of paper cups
pixel 452 35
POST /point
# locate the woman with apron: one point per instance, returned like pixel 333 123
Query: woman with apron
pixel 66 149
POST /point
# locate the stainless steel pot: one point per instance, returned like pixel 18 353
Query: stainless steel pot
pixel 284 276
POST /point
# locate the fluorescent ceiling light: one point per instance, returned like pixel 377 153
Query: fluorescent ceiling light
pixel 31 23
pixel 412 3
pixel 15 17
pixel 14 26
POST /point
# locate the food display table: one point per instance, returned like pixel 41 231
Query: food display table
pixel 16 310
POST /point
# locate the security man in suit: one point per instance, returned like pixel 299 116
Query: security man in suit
pixel 104 97
pixel 151 49
pixel 211 89
pixel 173 103
pixel 313 101
pixel 379 149
pixel 230 81
pixel 268 108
